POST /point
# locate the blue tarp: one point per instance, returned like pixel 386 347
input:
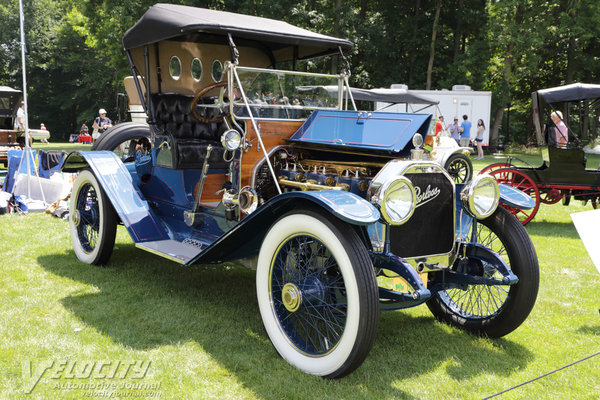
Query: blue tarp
pixel 14 159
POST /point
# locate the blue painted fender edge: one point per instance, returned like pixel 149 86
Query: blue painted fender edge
pixel 508 195
pixel 116 181
pixel 515 197
pixel 245 239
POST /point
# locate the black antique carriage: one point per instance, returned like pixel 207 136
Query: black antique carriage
pixel 563 174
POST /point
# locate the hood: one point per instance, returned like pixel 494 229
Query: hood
pixel 379 132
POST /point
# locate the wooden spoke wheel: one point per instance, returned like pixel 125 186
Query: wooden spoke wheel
pixel 519 180
pixel 493 167
pixel 550 196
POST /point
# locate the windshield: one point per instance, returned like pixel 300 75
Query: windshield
pixel 276 94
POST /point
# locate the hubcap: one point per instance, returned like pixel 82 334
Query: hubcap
pixel 291 297
pixel 76 218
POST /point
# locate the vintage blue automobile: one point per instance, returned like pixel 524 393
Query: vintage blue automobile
pixel 334 208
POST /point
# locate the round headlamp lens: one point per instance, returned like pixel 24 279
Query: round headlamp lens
pixel 231 140
pixel 482 196
pixel 398 202
pixel 417 140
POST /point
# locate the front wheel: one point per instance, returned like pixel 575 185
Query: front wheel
pixel 494 311
pixel 460 168
pixel 92 221
pixel 317 293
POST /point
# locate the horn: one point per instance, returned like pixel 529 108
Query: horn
pixel 248 200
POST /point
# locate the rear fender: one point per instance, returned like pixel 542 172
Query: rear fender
pixel 117 182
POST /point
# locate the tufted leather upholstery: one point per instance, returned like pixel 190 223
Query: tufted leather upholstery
pixel 189 137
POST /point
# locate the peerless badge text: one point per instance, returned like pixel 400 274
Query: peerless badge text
pixel 430 194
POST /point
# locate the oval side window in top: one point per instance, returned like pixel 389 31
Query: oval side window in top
pixel 217 71
pixel 175 68
pixel 197 69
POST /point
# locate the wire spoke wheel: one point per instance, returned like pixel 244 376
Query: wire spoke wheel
pixel 308 295
pixel 519 180
pixel 92 220
pixel 493 310
pixel 317 293
pixel 89 212
pixel 460 168
pixel 481 301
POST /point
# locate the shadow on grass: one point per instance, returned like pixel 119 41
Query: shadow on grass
pixel 555 229
pixel 590 330
pixel 144 302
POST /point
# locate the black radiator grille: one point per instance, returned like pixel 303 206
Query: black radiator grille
pixel 431 229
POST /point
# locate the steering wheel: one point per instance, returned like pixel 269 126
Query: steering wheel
pixel 201 93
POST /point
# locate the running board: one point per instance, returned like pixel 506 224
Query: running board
pixel 173 250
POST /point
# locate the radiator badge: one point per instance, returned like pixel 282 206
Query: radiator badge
pixel 430 194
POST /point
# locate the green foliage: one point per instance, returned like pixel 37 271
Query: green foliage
pixel 76 63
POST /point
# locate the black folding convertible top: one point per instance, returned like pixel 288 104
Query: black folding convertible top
pixel 383 95
pixel 169 21
pixel 391 96
pixel 573 92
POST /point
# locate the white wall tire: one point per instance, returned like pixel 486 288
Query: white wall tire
pixel 92 220
pixel 347 269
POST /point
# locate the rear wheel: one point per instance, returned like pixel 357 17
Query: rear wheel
pixel 125 140
pixel 494 311
pixel 524 183
pixel 550 196
pixel 488 169
pixel 317 293
pixel 93 220
pixel 460 168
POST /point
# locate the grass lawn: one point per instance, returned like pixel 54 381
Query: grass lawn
pixel 200 329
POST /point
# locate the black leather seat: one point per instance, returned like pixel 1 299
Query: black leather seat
pixel 188 137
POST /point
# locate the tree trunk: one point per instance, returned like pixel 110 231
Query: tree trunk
pixel 336 31
pixel 364 6
pixel 458 31
pixel 496 126
pixel 432 48
pixel 570 60
pixel 414 53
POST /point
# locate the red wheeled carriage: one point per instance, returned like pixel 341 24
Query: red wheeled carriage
pixel 563 174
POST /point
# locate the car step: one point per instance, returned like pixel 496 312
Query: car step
pixel 176 251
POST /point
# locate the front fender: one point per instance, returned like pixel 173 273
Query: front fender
pixel 509 195
pixel 245 239
pixel 442 154
pixel 116 181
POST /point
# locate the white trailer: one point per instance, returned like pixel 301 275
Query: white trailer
pixel 459 101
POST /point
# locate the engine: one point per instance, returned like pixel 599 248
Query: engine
pixel 295 172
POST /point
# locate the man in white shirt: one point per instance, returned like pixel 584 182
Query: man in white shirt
pixel 20 120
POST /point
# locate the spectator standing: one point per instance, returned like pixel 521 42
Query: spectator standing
pixel 20 120
pixel 561 130
pixel 439 125
pixel 455 131
pixel 101 124
pixel 20 123
pixel 479 138
pixel 43 128
pixel 465 132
